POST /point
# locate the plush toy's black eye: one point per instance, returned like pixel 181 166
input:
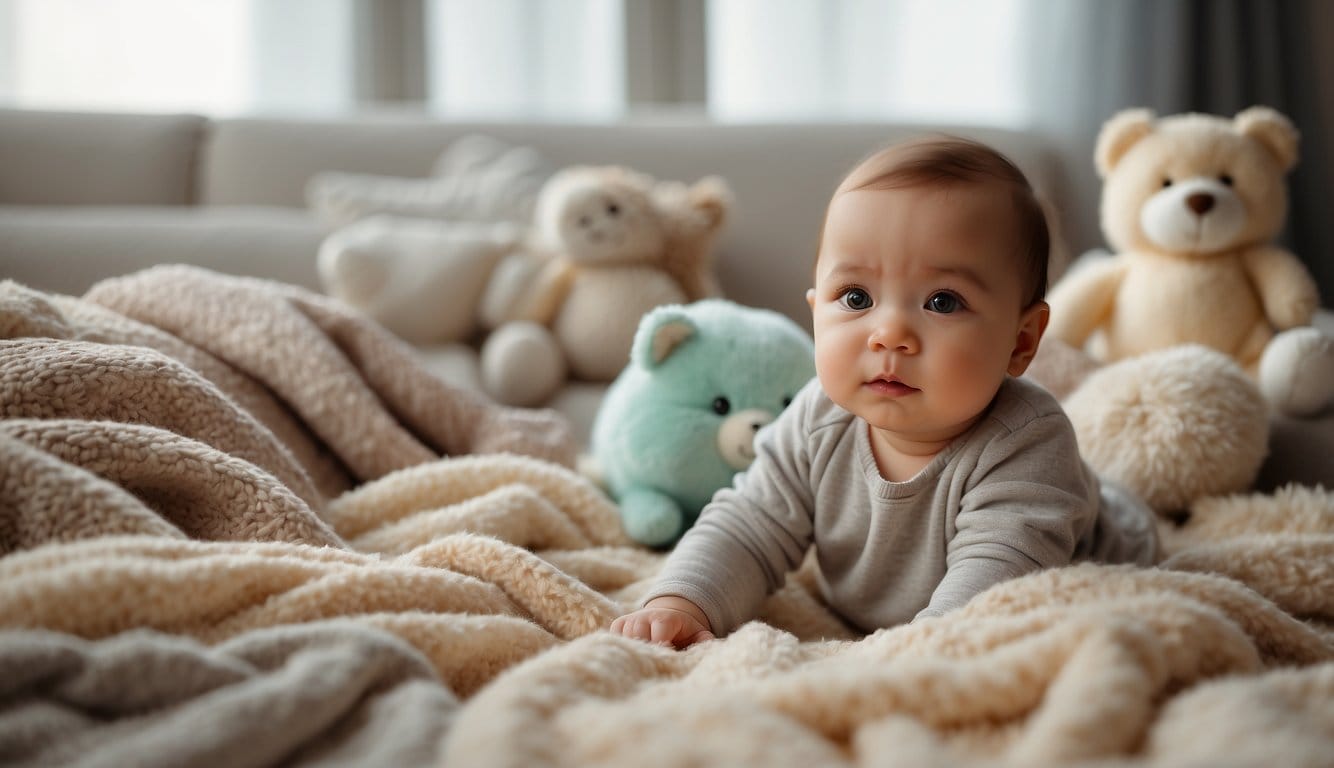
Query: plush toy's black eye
pixel 787 401
pixel 1167 183
pixel 721 406
pixel 1226 179
pixel 613 209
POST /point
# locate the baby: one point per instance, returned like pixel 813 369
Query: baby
pixel 917 463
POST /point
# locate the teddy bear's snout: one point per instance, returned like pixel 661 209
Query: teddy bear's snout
pixel 736 436
pixel 1200 203
pixel 1199 215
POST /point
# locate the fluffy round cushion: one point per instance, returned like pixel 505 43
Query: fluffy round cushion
pixel 1173 426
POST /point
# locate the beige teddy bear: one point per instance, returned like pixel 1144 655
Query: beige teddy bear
pixel 1191 203
pixel 610 244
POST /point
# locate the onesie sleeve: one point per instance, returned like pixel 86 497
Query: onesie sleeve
pixel 751 534
pixel 1028 501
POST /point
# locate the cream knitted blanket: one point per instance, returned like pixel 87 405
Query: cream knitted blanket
pixel 211 553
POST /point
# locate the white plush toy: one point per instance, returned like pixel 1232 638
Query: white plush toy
pixel 421 255
pixel 421 279
pixel 610 244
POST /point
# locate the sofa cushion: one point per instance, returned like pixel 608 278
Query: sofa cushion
pixel 67 249
pixel 71 158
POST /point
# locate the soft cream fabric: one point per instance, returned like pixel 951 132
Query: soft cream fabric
pixel 501 571
pixel 346 400
pixel 525 563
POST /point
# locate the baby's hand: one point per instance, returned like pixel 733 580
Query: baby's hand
pixel 667 620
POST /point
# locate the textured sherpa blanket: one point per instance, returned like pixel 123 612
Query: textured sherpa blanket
pixel 171 593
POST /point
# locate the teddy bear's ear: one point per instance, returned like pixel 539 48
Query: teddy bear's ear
pixel 1118 135
pixel 711 196
pixel 1271 129
pixel 660 332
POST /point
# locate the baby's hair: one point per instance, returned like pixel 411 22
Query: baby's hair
pixel 937 161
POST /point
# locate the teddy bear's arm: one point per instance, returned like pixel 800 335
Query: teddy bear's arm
pixel 548 292
pixel 1286 290
pixel 1083 300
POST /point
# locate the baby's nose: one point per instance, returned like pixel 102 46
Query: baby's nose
pixel 894 335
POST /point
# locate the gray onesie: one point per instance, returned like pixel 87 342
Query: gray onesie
pixel 1008 497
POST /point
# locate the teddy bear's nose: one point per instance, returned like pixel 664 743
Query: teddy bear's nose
pixel 1200 203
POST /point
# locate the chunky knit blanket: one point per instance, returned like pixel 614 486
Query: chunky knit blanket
pixel 239 526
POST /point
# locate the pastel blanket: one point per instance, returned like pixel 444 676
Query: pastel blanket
pixel 239 526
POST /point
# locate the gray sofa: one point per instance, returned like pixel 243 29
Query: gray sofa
pixel 89 196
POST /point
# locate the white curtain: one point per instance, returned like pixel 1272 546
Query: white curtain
pixel 214 56
pixel 526 58
pixel 934 61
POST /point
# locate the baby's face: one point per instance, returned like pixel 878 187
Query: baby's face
pixel 917 307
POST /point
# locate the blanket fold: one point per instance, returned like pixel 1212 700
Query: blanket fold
pixel 356 386
pixel 146 698
pixel 227 535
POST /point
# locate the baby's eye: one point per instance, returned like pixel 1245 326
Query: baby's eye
pixel 855 299
pixel 721 405
pixel 942 302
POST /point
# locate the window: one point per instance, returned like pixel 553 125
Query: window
pixel 927 60
pixel 506 58
pixel 924 60
pixel 215 56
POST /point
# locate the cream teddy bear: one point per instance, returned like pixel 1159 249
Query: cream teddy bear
pixel 1191 203
pixel 610 244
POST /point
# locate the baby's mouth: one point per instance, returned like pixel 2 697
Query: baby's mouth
pixel 890 386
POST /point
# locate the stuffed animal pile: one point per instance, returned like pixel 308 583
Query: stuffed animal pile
pixel 551 277
pixel 681 419
pixel 610 244
pixel 1191 204
pixel 1198 326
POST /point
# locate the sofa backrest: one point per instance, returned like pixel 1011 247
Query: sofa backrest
pixel 73 158
pixel 781 175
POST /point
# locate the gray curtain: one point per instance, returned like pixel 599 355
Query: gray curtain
pixel 1097 57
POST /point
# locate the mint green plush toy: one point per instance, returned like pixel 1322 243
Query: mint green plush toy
pixel 681 419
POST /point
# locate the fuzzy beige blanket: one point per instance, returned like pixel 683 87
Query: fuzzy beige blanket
pixel 210 553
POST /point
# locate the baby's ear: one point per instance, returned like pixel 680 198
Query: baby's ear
pixel 1032 324
pixel 1118 135
pixel 660 333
